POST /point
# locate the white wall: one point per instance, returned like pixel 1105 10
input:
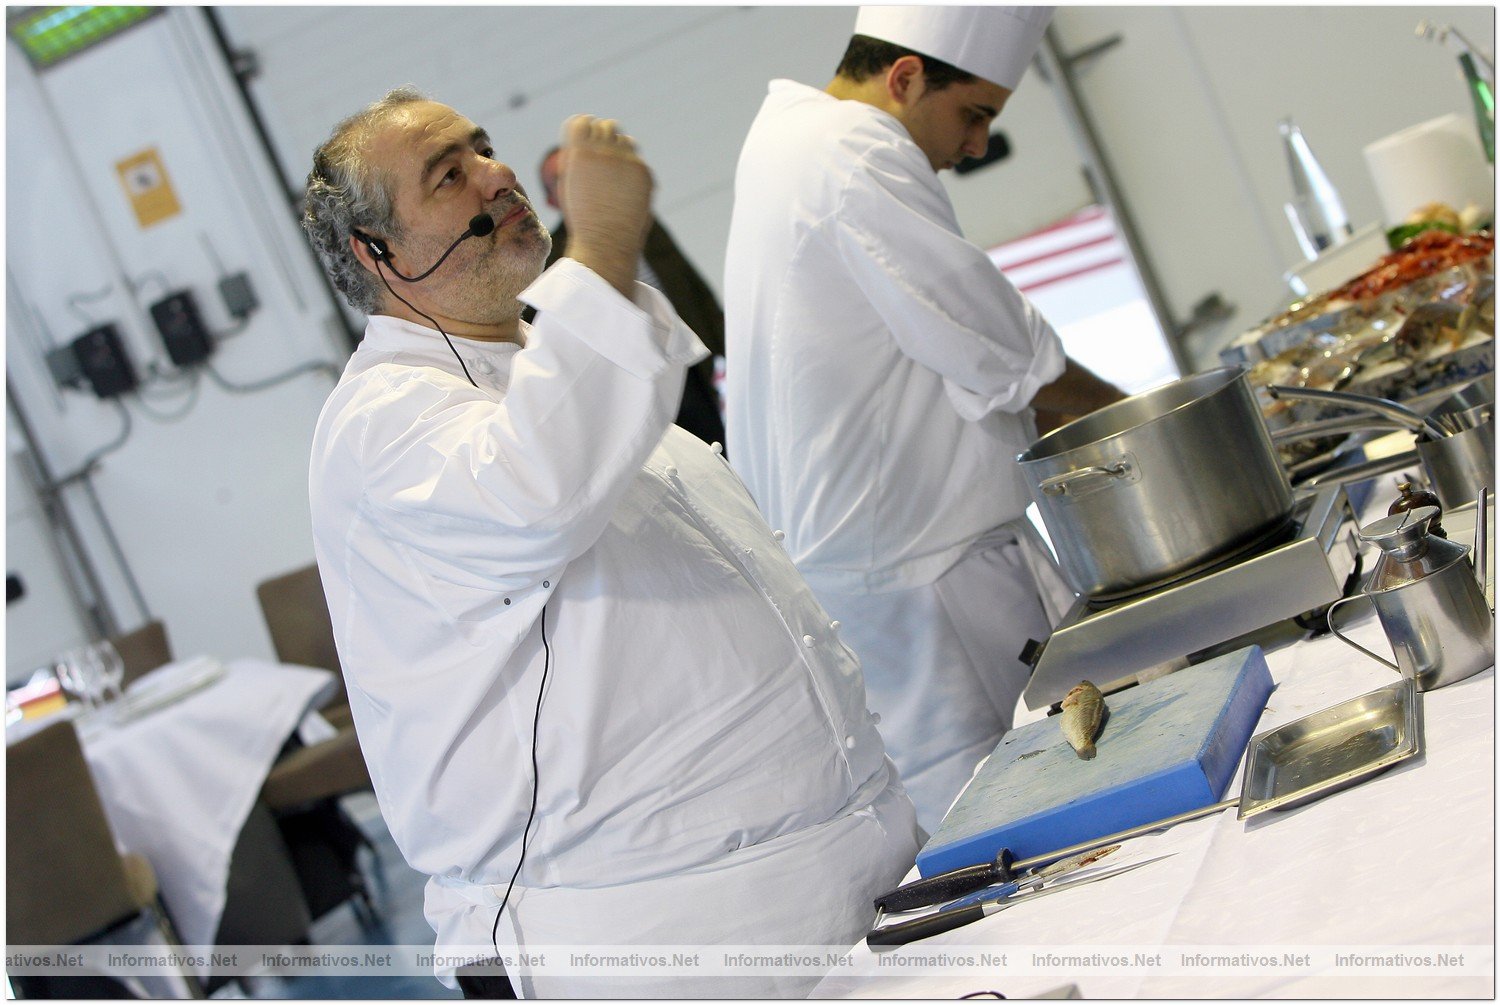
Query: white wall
pixel 209 504
pixel 685 81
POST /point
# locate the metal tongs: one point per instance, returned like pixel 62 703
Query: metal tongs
pixel 1380 406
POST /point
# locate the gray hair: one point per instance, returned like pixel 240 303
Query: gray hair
pixel 344 195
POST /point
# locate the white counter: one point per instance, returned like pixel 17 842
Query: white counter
pixel 1401 866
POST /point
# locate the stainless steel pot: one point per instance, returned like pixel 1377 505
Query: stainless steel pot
pixel 1159 486
pixel 1461 464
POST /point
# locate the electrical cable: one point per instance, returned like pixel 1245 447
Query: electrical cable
pixel 535 779
pixel 136 282
pixel 74 299
pixel 114 546
pixel 82 471
pixel 81 475
pixel 78 571
pixel 182 411
pixel 213 254
pixel 381 273
pixel 156 375
pixel 240 324
pixel 269 382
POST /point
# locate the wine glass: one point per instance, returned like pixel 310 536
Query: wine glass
pixel 76 676
pixel 111 674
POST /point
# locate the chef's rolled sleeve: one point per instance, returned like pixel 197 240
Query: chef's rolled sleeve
pixel 641 336
pixel 946 304
pixel 528 482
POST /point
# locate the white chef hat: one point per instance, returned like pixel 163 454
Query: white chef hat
pixel 995 43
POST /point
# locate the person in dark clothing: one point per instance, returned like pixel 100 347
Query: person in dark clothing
pixel 664 266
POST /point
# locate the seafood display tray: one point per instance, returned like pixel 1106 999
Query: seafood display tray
pixel 1332 749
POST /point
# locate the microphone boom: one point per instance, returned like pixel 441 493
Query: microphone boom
pixel 479 226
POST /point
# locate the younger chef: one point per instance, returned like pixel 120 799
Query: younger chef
pixel 883 375
pixel 599 705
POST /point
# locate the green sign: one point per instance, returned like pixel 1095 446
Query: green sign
pixel 50 34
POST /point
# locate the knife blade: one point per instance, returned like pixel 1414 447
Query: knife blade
pixel 1033 881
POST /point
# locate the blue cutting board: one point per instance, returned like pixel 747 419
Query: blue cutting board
pixel 1168 746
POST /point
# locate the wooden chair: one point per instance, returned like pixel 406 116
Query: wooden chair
pixel 66 882
pixel 143 649
pixel 296 614
pixel 305 784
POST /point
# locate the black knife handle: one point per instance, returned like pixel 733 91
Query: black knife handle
pixel 936 889
pixel 925 927
pixel 947 885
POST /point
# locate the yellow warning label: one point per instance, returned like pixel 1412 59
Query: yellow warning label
pixel 145 181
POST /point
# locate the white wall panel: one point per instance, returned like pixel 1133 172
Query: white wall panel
pixel 685 81
pixel 209 504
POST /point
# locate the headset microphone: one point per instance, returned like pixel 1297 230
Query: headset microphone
pixel 480 226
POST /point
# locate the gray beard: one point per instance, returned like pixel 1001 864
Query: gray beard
pixel 488 294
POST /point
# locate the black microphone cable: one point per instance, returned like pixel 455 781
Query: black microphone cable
pixel 536 781
pixel 429 317
pixel 479 226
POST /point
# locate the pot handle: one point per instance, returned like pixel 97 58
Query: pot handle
pixel 1350 642
pixel 1061 484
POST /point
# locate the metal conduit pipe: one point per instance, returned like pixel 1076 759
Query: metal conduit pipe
pixel 1058 68
pixel 89 594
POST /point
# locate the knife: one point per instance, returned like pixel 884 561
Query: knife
pixel 957 882
pixel 892 936
pixel 1032 881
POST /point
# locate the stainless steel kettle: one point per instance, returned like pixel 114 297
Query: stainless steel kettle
pixel 1429 600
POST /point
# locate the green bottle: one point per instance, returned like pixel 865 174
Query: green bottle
pixel 1480 79
pixel 1484 104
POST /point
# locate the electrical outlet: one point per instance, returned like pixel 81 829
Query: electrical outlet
pixel 101 357
pixel 62 363
pixel 238 295
pixel 182 329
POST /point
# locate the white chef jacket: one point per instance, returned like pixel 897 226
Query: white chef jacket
pixel 702 722
pixel 882 366
pixel 881 371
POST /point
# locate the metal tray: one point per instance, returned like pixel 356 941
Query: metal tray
pixel 1332 749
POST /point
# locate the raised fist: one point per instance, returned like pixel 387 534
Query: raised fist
pixel 605 190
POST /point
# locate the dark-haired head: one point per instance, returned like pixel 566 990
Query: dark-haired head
pixel 867 57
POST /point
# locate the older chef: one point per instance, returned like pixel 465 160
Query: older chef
pixel 599 704
pixel 884 375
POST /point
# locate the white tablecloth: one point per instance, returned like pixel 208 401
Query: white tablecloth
pixel 178 782
pixel 1404 860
